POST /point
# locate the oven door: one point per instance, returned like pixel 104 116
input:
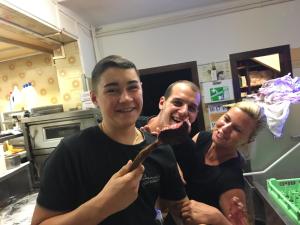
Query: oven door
pixel 38 163
pixel 38 160
pixel 48 135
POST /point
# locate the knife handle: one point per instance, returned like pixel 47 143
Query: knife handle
pixel 142 155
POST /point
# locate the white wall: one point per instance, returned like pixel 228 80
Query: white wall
pixel 208 40
pixel 44 10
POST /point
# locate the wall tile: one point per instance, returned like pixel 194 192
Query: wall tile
pixel 36 69
pixel 56 82
pixel 69 73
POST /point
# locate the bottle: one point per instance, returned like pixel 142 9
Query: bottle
pixel 32 96
pixel 25 96
pixel 17 99
pixel 11 102
pixel 213 72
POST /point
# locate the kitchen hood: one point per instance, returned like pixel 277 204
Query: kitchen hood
pixel 21 35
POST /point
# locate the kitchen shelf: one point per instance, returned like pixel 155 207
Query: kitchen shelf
pixel 252 87
pixel 244 89
pixel 12 172
pixel 4 137
pixel 255 86
pixel 256 67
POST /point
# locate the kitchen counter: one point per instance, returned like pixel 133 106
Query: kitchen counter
pixel 14 183
pixel 275 215
pixel 19 211
pixel 12 172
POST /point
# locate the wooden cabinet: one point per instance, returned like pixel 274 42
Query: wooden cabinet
pixel 44 26
pixel 251 69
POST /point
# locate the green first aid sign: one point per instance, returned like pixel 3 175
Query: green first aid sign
pixel 219 93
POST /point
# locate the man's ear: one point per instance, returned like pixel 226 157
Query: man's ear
pixel 251 140
pixel 93 98
pixel 161 102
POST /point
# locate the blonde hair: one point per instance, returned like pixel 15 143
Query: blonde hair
pixel 255 112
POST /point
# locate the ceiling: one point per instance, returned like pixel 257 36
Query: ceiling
pixel 111 17
pixel 21 36
pixel 25 36
pixel 104 12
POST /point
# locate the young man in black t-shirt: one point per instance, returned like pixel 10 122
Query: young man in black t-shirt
pixel 85 180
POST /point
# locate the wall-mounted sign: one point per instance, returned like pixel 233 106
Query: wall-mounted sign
pixel 219 94
pixel 215 111
pixel 218 91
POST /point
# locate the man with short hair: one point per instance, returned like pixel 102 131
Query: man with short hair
pixel 181 103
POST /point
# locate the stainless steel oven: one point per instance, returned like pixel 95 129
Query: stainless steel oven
pixel 43 133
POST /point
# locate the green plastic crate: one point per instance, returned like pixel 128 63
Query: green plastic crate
pixel 287 194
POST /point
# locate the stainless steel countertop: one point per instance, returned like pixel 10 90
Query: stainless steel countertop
pixel 19 211
pixel 11 172
pixel 274 205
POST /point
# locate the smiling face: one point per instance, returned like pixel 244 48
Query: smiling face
pixel 119 97
pixel 182 104
pixel 233 129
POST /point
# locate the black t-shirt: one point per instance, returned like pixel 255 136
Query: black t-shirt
pixel 82 164
pixel 206 183
pixel 187 159
pixel 210 182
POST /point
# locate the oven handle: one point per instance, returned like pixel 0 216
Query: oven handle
pixel 32 138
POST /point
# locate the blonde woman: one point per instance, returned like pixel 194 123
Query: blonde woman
pixel 220 178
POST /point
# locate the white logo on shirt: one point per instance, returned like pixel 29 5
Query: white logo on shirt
pixel 149 180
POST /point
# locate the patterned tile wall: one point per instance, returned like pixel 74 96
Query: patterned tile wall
pixel 35 69
pixel 56 81
pixel 69 75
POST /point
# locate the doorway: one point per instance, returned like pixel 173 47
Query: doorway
pixel 156 80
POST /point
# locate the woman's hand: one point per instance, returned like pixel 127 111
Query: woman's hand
pixel 122 189
pixel 233 205
pixel 237 214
